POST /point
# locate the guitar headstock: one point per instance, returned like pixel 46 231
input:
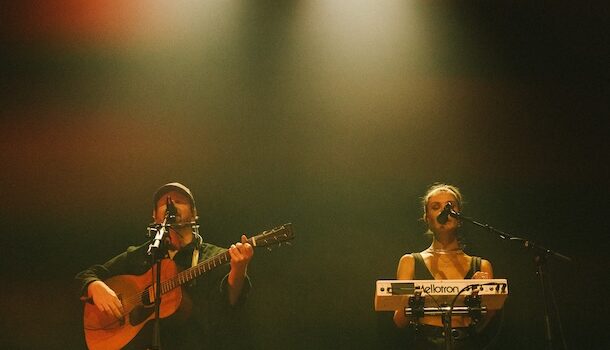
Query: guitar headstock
pixel 274 236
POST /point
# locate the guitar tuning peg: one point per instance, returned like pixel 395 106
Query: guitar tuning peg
pixel 288 243
pixel 269 248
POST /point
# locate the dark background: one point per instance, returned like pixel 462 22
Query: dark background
pixel 332 115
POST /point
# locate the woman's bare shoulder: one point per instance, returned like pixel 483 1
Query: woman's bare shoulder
pixel 406 267
pixel 407 259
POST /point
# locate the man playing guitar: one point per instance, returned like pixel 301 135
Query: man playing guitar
pixel 192 315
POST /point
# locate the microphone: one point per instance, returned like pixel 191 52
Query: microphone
pixel 444 215
pixel 170 210
pixel 160 230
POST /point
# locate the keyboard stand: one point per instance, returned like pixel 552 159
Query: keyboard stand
pixel 472 307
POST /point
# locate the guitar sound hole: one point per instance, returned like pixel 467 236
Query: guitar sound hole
pixel 148 297
pixel 139 314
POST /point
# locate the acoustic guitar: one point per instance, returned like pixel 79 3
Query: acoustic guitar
pixel 137 294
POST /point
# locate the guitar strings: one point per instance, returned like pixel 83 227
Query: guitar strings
pixel 137 297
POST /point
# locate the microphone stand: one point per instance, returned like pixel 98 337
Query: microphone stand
pixel 157 255
pixel 446 318
pixel 540 259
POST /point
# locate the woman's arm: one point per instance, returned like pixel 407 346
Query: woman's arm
pixel 405 271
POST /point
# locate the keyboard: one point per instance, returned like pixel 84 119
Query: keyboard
pixel 392 295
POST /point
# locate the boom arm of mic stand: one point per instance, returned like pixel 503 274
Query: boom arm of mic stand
pixel 504 235
pixel 540 260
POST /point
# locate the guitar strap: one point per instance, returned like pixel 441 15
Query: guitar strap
pixel 198 243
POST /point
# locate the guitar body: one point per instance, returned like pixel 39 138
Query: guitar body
pixel 105 332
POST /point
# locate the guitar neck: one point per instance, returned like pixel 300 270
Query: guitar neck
pixel 195 271
pixel 265 239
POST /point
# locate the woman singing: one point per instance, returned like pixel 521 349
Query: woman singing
pixel 444 259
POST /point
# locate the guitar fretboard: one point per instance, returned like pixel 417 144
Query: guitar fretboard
pixel 275 236
pixel 195 271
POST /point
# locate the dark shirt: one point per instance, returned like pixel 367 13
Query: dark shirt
pixel 211 319
pixel 422 273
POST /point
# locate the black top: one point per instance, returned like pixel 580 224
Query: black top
pixel 422 273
